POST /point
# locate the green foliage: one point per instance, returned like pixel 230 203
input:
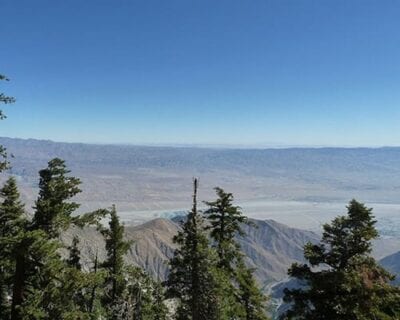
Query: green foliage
pixel 93 218
pixel 37 267
pixel 40 274
pixel 74 259
pixel 6 100
pixel 225 221
pixel 12 223
pixel 242 299
pixel 348 283
pixel 52 210
pixel 116 248
pixel 76 289
pixel 143 297
pixel 192 277
pixel 251 299
pixel 43 285
pixel 128 293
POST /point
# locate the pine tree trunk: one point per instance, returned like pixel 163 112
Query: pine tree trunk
pixel 19 287
pixel 195 276
pixel 93 293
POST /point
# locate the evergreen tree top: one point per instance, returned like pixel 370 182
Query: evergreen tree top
pixel 12 212
pixel 225 218
pixel 349 283
pixel 346 238
pixel 52 208
pixel 224 221
pixel 10 191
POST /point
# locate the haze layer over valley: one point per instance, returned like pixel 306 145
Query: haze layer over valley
pixel 301 187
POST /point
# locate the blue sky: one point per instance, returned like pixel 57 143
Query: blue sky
pixel 281 72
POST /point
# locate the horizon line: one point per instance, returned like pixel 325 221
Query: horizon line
pixel 212 145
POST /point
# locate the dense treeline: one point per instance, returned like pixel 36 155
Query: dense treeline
pixel 37 282
pixel 208 276
pixel 208 279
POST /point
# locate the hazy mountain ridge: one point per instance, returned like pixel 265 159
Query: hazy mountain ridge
pixel 270 247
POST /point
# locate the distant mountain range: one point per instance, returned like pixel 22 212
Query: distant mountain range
pixel 139 178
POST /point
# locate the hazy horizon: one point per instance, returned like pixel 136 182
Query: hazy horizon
pixel 209 145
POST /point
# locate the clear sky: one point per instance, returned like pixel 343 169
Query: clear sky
pixel 249 72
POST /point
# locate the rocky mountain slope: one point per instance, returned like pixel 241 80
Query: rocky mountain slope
pixel 270 247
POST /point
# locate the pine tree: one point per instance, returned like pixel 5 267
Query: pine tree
pixel 250 297
pixel 242 297
pixel 225 221
pixel 83 290
pixel 52 210
pixel 192 277
pixel 144 298
pixel 38 262
pixel 12 224
pixel 155 306
pixel 6 100
pixel 3 98
pixel 348 284
pixel 76 285
pixel 74 259
pixel 116 248
pixel 93 290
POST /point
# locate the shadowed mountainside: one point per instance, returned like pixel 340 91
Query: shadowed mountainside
pixel 392 264
pixel 270 247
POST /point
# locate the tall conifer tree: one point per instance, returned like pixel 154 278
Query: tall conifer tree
pixel 192 277
pixel 38 262
pixel 225 221
pixel 116 248
pixel 53 210
pixel 12 225
pixel 349 284
pixel 242 297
